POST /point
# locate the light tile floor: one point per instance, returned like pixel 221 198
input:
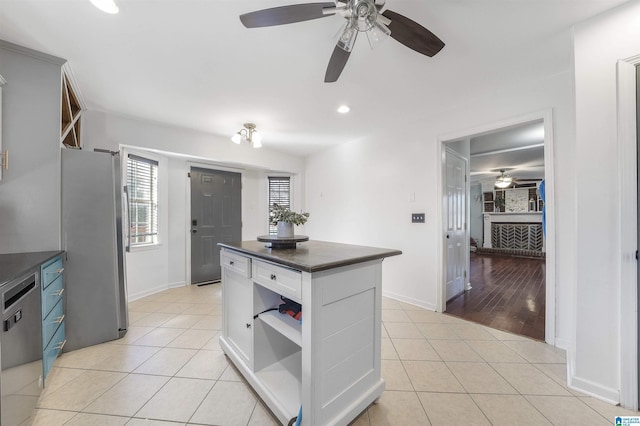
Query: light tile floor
pixel 169 370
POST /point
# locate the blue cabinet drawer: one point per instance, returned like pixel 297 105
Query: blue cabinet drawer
pixel 51 323
pixel 51 296
pixel 50 271
pixel 53 349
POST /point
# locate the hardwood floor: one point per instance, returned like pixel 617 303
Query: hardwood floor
pixel 508 293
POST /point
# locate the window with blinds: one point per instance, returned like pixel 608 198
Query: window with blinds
pixel 279 193
pixel 142 182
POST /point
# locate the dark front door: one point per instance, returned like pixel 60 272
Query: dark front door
pixel 215 218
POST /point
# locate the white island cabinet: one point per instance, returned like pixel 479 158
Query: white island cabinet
pixel 327 364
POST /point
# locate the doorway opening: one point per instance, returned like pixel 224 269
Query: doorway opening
pixel 507 285
pixel 216 217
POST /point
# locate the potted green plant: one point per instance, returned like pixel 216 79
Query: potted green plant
pixel 285 218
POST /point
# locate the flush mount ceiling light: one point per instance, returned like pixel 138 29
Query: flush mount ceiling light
pixel 248 134
pixel 343 109
pixel 503 180
pixel 107 6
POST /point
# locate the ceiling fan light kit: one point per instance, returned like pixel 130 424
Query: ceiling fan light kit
pixel 362 16
pixel 503 180
pixel 347 38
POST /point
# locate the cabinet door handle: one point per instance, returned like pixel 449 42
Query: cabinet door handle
pixel 248 325
pixel 273 277
pixel 58 293
pixel 61 344
pixel 231 262
pixel 59 320
pixel 56 272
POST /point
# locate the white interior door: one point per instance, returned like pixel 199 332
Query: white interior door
pixel 455 222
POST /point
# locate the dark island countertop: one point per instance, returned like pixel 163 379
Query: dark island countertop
pixel 313 256
pixel 15 265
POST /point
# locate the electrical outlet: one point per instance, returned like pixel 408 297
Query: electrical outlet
pixel 417 217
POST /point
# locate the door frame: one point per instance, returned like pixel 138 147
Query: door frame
pixel 187 229
pixel 628 232
pixel 550 263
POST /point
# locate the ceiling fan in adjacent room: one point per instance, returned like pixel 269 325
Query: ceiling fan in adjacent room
pixel 504 180
pixel 361 16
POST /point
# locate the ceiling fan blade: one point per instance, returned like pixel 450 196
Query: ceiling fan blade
pixel 285 14
pixel 412 34
pixel 337 62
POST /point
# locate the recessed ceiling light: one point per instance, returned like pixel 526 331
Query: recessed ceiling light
pixel 343 109
pixel 107 6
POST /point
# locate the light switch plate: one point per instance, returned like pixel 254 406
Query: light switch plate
pixel 417 217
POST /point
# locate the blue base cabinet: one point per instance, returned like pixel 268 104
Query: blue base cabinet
pixel 53 334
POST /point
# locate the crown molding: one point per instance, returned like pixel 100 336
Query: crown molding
pixel 30 52
pixel 71 79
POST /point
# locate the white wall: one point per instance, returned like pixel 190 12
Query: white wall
pixel 30 189
pixel 599 44
pixel 148 267
pixel 363 192
pixel 176 216
pixel 166 265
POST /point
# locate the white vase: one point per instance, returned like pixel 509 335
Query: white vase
pixel 285 230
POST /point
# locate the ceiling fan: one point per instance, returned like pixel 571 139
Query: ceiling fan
pixel 504 180
pixel 361 16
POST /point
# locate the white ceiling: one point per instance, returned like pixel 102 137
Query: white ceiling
pixel 518 150
pixel 191 62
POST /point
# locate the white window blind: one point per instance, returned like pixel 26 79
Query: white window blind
pixel 279 193
pixel 142 181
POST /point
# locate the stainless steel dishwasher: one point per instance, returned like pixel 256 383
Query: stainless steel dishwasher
pixel 20 348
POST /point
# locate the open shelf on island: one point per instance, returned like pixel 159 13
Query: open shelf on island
pixel 284 324
pixel 282 379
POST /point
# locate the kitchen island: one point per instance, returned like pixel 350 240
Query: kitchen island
pixel 325 365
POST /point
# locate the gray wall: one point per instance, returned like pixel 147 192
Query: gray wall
pixel 30 189
pixel 475 210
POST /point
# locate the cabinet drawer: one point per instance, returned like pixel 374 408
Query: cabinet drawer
pixel 51 323
pixel 237 263
pixel 53 349
pixel 51 295
pixel 284 281
pixel 51 270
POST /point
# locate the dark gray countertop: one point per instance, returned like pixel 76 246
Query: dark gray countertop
pixel 15 265
pixel 313 256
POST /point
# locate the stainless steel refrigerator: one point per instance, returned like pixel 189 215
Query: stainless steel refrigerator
pixel 93 226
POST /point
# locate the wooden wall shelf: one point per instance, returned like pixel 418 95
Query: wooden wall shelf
pixel 70 115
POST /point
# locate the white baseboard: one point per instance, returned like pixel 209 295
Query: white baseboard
pixel 409 300
pixel 177 284
pixel 561 343
pixel 148 292
pixel 612 396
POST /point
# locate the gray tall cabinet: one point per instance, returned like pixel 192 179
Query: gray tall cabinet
pixel 30 188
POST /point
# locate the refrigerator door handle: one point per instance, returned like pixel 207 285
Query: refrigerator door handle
pixel 127 212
